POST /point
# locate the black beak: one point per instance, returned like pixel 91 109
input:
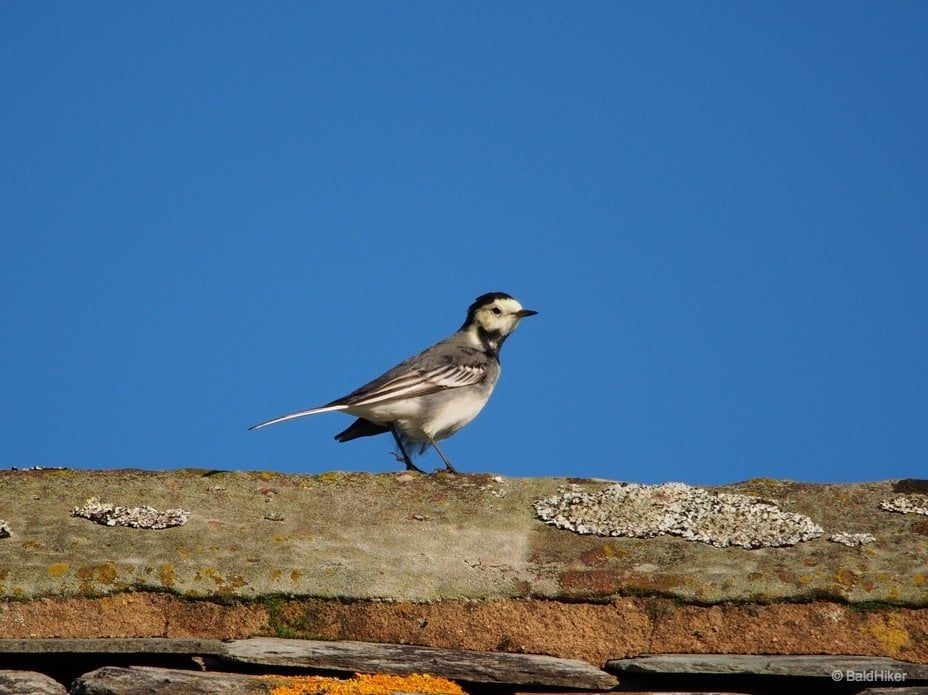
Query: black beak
pixel 525 312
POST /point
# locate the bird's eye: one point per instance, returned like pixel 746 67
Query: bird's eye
pixel 497 311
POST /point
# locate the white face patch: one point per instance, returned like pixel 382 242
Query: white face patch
pixel 501 316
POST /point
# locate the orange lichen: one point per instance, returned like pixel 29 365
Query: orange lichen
pixel 107 573
pixel 58 569
pixel 364 684
pixel 845 577
pixel 892 634
pixel 166 575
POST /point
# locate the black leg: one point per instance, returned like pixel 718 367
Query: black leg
pixel 448 466
pixel 410 466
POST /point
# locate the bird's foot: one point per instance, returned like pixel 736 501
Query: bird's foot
pixel 448 467
pixel 406 461
pixel 410 466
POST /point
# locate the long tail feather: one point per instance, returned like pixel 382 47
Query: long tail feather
pixel 298 414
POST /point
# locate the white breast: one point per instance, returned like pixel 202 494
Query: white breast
pixel 451 414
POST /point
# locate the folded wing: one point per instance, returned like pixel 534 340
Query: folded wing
pixel 413 383
pixel 392 386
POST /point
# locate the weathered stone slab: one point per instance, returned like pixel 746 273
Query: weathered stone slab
pixel 835 668
pixel 141 680
pixel 20 682
pixel 145 680
pixel 342 536
pixel 459 665
pixel 416 538
pixel 192 647
pixel 590 567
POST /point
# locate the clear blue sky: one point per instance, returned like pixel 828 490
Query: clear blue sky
pixel 213 213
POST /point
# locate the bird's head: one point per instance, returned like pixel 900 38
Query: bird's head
pixel 494 316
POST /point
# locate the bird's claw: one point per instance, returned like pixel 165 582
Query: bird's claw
pixel 410 466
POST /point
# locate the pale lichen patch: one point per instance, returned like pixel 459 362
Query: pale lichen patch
pixel 906 504
pixel 852 540
pixel 132 517
pixel 645 511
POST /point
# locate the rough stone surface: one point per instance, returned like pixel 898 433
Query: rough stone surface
pixel 427 538
pixel 140 680
pixel 593 632
pixel 23 682
pixel 625 627
pixel 130 615
pixel 677 509
pixel 144 680
pixel 461 665
pixel 454 562
pixel 124 646
pixel 811 666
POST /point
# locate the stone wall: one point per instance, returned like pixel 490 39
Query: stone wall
pixel 471 562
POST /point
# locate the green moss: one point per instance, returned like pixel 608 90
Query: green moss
pixel 284 622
